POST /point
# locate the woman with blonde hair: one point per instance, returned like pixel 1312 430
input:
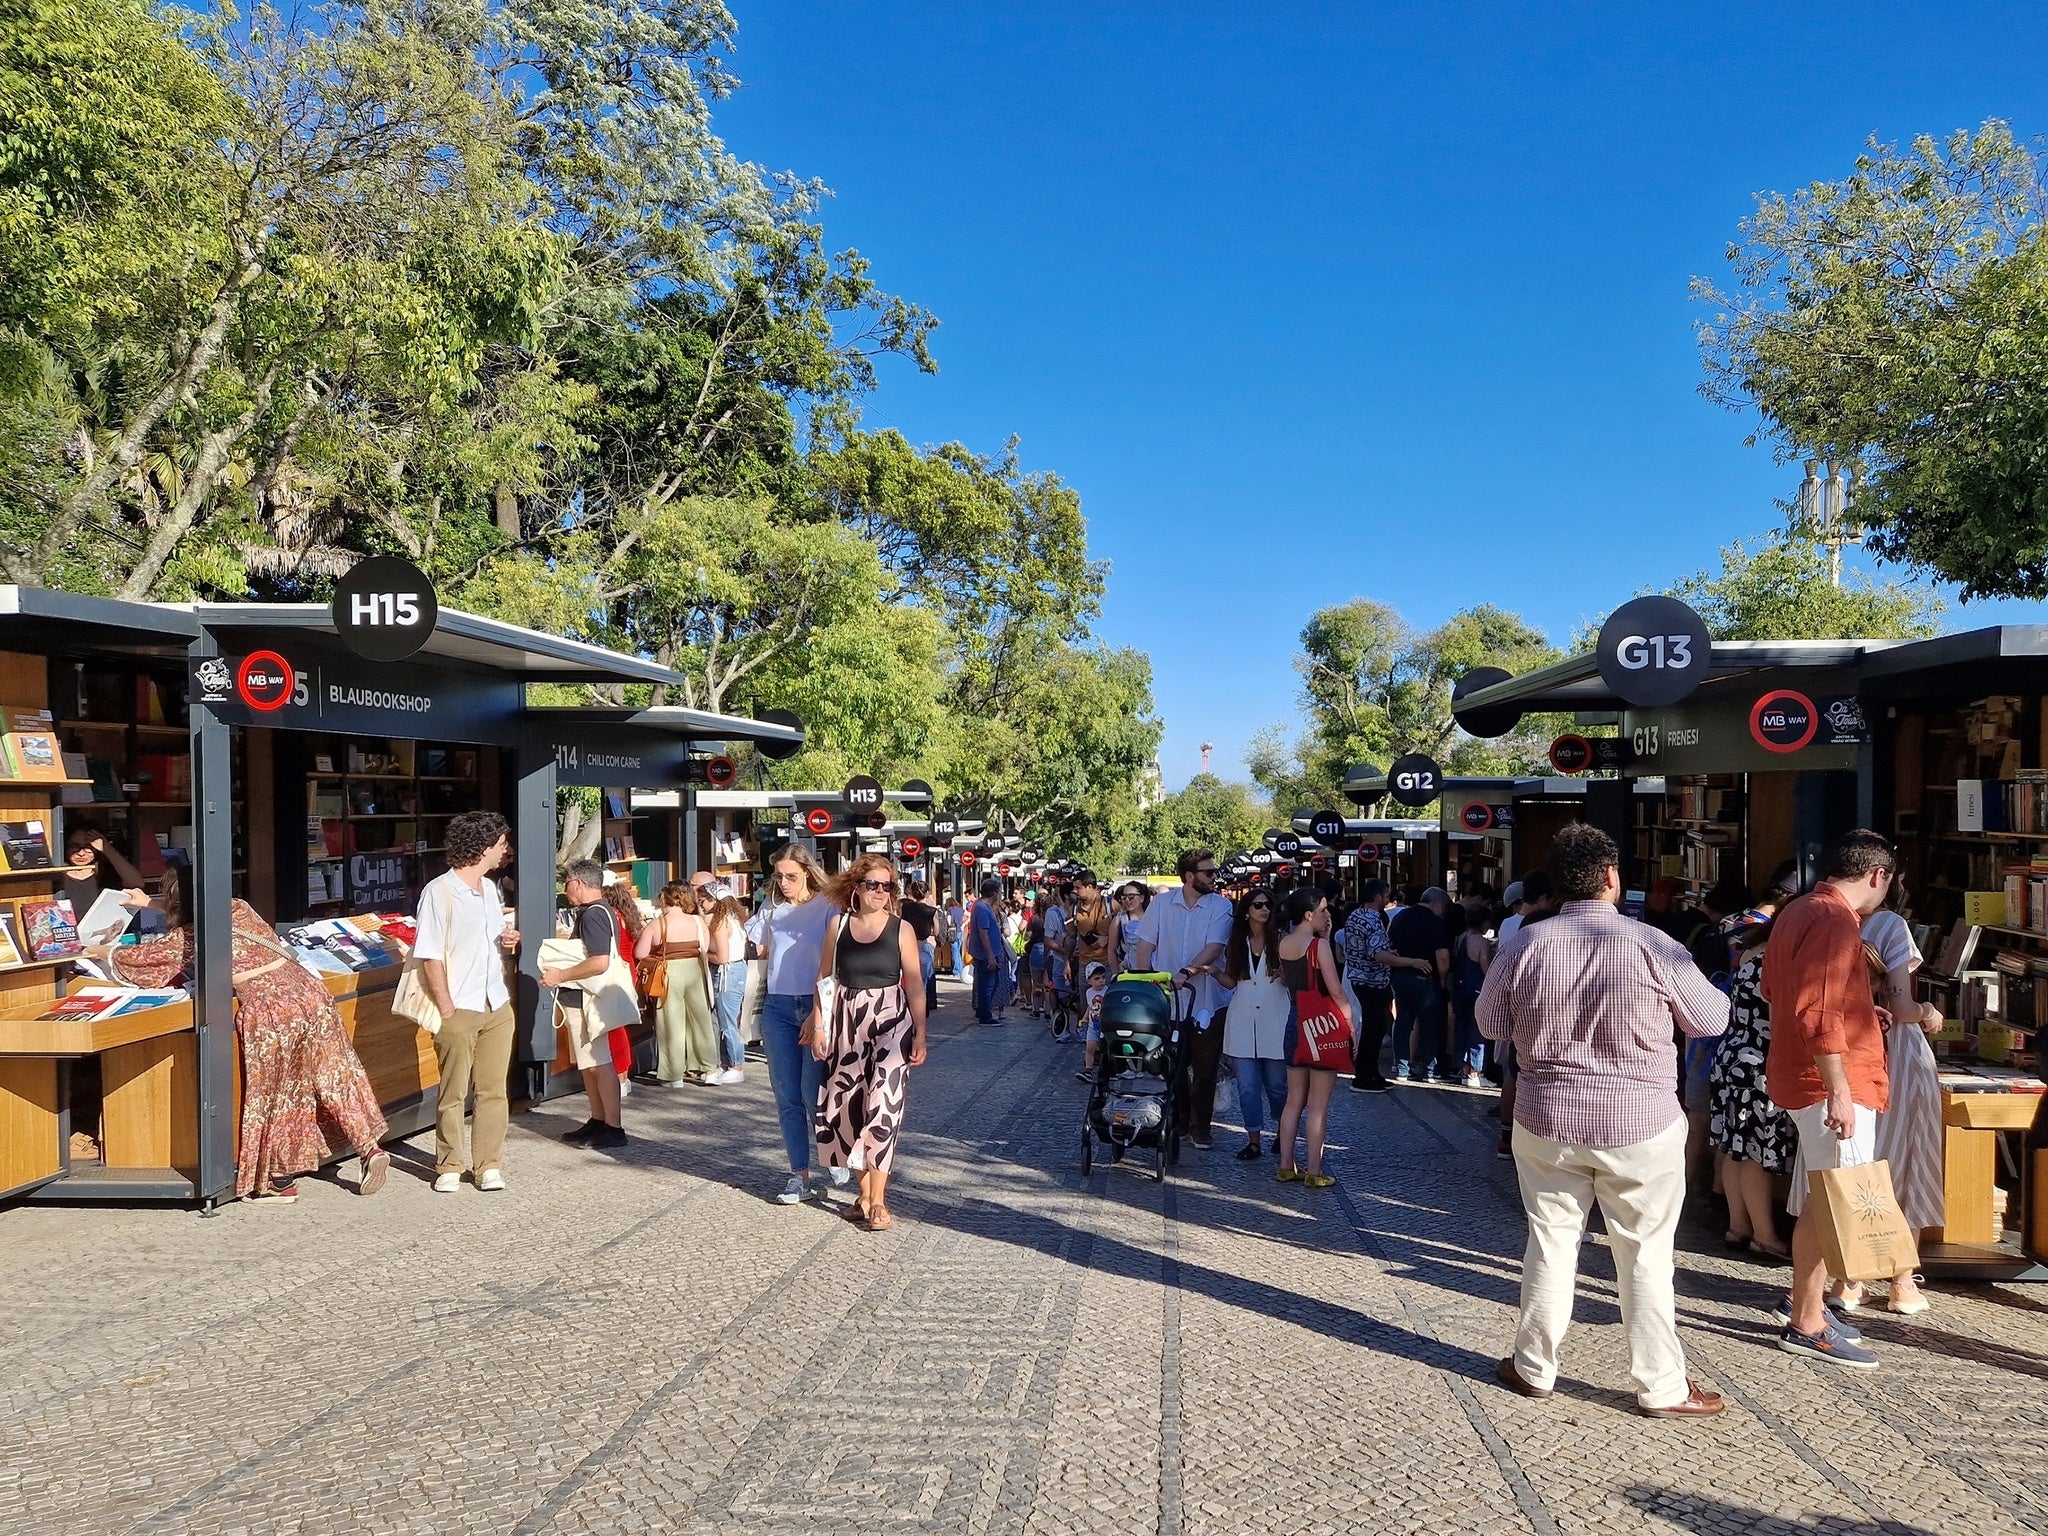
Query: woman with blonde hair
pixel 790 934
pixel 677 942
pixel 871 1035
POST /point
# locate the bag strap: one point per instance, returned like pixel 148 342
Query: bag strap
pixel 1315 970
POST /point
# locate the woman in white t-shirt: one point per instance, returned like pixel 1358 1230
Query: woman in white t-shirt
pixel 1255 1027
pixel 1909 1133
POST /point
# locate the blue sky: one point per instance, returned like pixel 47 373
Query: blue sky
pixel 1315 302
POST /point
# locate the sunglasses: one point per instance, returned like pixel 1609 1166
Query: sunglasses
pixel 884 886
pixel 1206 870
pixel 1258 906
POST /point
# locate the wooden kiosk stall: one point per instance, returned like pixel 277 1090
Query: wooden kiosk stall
pixel 314 784
pixel 1785 745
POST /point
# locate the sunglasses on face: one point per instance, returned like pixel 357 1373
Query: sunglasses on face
pixel 1209 870
pixel 1258 906
pixel 883 886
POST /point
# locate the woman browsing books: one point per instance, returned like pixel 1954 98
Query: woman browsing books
pixel 299 1068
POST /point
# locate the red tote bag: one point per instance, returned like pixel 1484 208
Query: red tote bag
pixel 1322 1033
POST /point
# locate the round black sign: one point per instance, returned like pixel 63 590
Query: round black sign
pixel 878 819
pixel 1287 845
pixel 1263 858
pixel 992 843
pixel 1495 721
pixel 778 750
pixel 1654 651
pixel 1783 720
pixel 1360 784
pixel 1270 837
pixel 862 794
pixel 1415 780
pixel 1571 754
pixel 1326 827
pixel 945 829
pixel 719 772
pixel 1034 856
pixel 1476 817
pixel 384 609
pixel 917 789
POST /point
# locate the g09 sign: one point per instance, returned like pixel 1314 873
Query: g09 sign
pixel 1415 780
pixel 1654 651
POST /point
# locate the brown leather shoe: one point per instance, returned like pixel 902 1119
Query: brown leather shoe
pixel 1698 1405
pixel 1506 1374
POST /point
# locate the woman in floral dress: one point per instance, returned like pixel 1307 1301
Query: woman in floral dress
pixel 304 1091
pixel 1754 1137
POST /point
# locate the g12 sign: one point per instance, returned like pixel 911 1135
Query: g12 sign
pixel 1415 780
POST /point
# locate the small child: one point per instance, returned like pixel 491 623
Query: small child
pixel 1096 982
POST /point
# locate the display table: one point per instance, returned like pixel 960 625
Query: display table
pixel 150 1106
pixel 396 1053
pixel 1978 1104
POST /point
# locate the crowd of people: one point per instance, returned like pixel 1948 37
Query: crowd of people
pixel 1728 1050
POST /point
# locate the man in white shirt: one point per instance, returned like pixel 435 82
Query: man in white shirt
pixel 462 941
pixel 1185 934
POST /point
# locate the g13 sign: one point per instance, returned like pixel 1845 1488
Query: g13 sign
pixel 1654 651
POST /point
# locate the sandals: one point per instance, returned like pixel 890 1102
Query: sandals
pixel 1317 1181
pixel 375 1167
pixel 855 1212
pixel 1768 1254
pixel 1288 1176
pixel 880 1220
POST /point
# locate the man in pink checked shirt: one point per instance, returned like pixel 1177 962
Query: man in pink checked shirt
pixel 1589 999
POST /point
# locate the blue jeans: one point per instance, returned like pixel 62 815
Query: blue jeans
pixel 959 958
pixel 1468 1048
pixel 1256 1075
pixel 985 979
pixel 728 995
pixel 795 1074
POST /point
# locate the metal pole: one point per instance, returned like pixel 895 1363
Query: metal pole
pixel 213 888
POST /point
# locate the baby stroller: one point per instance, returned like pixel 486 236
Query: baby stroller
pixel 1131 1100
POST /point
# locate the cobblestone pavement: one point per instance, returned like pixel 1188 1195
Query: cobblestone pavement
pixel 646 1344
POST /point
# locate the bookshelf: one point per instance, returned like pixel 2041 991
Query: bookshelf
pixel 376 813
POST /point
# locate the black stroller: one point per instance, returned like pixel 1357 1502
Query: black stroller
pixel 1132 1099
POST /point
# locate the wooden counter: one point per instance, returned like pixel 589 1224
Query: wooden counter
pixel 397 1054
pixel 149 1117
pixel 1971 1123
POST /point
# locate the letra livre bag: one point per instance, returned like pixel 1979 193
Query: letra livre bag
pixel 1862 1230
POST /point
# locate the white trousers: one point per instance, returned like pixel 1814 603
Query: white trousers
pixel 1641 1189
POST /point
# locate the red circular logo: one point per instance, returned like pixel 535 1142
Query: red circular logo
pixel 1003 870
pixel 264 680
pixel 1783 720
pixel 719 772
pixel 967 858
pixel 1571 754
pixel 912 847
pixel 1476 817
pixel 819 820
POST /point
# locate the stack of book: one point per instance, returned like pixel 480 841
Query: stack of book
pixel 90 1003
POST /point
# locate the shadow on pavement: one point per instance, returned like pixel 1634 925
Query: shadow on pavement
pixel 1713 1517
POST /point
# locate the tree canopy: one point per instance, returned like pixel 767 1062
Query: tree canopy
pixel 1899 316
pixel 1783 589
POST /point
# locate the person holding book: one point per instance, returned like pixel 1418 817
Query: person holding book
pixel 92 867
pixel 300 1071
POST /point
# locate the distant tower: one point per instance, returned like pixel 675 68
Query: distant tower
pixel 1207 748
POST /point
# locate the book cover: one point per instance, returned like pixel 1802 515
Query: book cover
pixel 106 785
pixel 10 952
pixel 105 921
pixel 47 927
pixel 76 768
pixel 34 755
pixel 24 845
pixel 84 1005
pixel 150 997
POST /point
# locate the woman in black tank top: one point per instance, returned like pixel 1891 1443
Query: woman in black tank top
pixel 875 1036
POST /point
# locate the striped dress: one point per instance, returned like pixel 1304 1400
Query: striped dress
pixel 1909 1134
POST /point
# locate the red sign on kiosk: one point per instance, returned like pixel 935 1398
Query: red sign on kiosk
pixel 967 858
pixel 912 847
pixel 1783 720
pixel 819 820
pixel 264 681
pixel 719 772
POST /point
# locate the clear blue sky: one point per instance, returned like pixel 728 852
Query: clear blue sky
pixel 1315 302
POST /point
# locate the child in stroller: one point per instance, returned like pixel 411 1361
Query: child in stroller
pixel 1131 1097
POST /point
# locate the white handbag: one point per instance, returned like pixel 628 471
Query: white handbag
pixel 828 996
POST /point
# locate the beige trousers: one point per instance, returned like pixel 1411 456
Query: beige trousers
pixel 1641 1189
pixel 474 1049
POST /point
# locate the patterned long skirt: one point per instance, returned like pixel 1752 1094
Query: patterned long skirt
pixel 304 1091
pixel 860 1105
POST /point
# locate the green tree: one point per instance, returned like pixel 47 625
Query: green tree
pixel 1374 688
pixel 1783 590
pixel 1208 812
pixel 1899 317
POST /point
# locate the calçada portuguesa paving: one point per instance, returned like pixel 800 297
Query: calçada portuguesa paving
pixel 644 1343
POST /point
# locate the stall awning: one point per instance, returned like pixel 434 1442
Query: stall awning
pixel 57 620
pixel 1575 682
pixel 458 636
pixel 697 724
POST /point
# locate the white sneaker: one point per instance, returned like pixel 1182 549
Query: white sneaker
pixel 841 1177
pixel 796 1191
pixel 447 1183
pixel 490 1181
pixel 734 1074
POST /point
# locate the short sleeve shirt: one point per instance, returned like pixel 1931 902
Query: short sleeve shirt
pixel 988 933
pixel 460 927
pixel 1418 933
pixel 1365 935
pixel 598 927
pixel 1178 933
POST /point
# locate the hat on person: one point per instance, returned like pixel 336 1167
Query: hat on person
pixel 1095 968
pixel 991 886
pixel 719 890
pixel 1512 896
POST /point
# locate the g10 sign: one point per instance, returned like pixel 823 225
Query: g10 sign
pixel 1653 651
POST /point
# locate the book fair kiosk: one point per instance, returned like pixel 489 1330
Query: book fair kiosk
pixel 293 764
pixel 1772 749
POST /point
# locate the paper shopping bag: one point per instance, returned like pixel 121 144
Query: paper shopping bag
pixel 1862 1230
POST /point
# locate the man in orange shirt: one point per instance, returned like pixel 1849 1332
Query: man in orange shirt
pixel 1826 1067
